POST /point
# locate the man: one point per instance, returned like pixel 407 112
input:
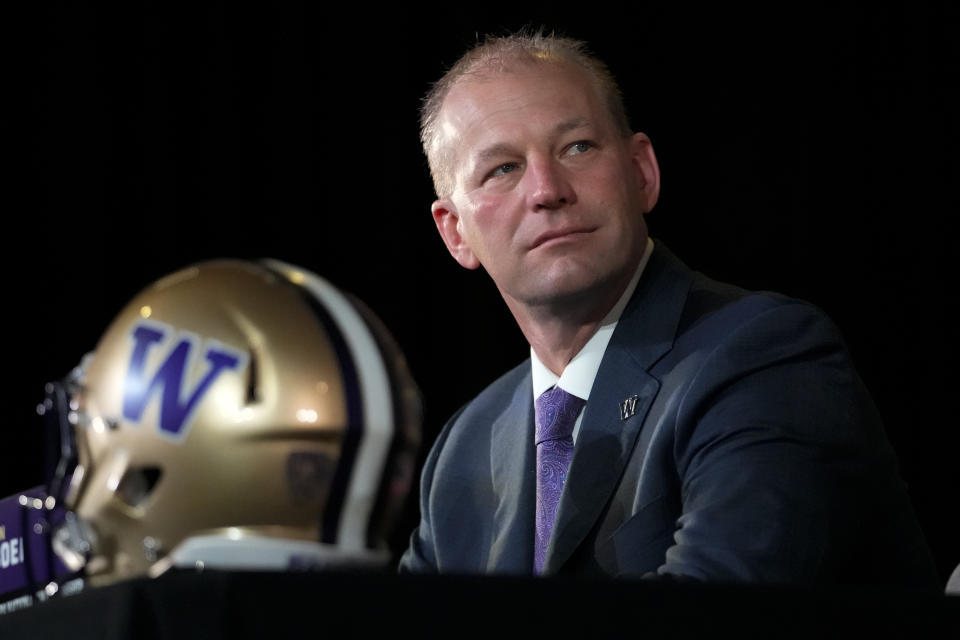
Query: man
pixel 666 424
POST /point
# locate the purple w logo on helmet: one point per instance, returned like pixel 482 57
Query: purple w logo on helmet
pixel 176 407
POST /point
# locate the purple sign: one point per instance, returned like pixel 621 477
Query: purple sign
pixel 26 561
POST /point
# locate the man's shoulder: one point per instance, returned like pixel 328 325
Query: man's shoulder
pixel 721 316
pixel 472 423
pixel 500 393
pixel 710 297
pixel 712 301
pixel 695 311
pixel 746 306
pixel 704 295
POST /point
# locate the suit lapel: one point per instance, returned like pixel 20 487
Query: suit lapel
pixel 514 482
pixel 645 332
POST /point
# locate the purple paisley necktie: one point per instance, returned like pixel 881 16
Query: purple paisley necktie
pixel 556 414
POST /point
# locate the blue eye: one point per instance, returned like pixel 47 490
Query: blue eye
pixel 504 169
pixel 580 147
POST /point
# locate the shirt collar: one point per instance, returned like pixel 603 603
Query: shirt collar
pixel 578 376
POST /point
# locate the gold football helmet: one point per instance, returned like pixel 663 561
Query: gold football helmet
pixel 235 414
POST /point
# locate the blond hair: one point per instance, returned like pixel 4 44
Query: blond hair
pixel 496 54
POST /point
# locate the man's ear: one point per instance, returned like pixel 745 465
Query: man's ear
pixel 648 172
pixel 448 224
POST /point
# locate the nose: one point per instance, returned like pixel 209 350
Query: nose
pixel 549 185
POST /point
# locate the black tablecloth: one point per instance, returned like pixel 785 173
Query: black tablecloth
pixel 213 604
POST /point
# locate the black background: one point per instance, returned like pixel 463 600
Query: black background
pixel 808 150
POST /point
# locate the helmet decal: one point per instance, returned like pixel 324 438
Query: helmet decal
pixel 176 408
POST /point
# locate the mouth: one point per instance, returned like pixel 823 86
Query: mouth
pixel 558 236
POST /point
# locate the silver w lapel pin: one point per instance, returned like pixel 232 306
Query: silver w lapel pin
pixel 628 407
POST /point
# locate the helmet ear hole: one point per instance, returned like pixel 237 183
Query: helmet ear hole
pixel 137 485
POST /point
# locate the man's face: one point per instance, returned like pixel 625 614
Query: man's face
pixel 547 195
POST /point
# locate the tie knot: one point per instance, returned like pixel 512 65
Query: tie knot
pixel 556 414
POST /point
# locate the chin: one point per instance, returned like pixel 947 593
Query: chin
pixel 569 288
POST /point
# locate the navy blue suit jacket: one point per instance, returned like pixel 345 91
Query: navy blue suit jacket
pixel 753 453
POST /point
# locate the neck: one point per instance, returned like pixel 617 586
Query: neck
pixel 558 330
pixel 557 344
